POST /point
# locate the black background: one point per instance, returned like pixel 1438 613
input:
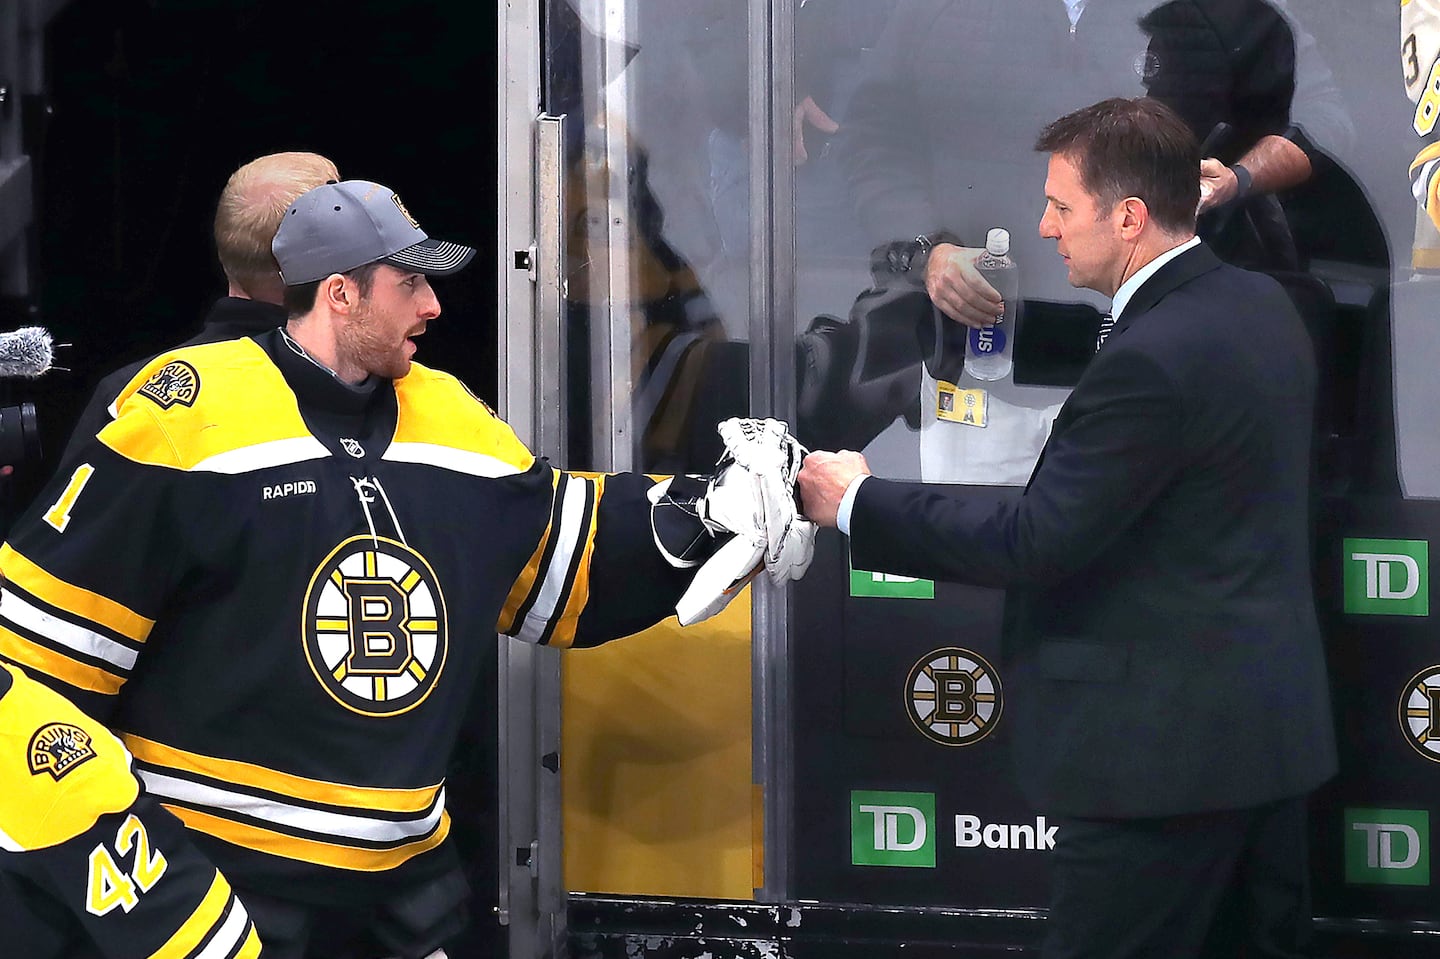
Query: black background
pixel 149 106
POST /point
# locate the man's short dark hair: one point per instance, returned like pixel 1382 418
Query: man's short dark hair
pixel 1137 148
pixel 300 298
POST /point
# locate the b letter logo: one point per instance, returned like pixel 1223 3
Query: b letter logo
pixel 892 829
pixel 1387 847
pixel 1387 577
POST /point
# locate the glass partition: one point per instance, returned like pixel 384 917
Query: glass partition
pixel 908 130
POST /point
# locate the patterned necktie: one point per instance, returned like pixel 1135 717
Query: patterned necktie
pixel 1107 323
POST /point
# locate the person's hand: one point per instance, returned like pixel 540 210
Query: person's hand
pixel 958 289
pixel 808 111
pixel 823 479
pixel 1218 184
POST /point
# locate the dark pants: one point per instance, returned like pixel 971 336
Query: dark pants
pixel 410 925
pixel 1209 886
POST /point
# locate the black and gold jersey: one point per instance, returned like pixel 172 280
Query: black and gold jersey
pixel 1420 63
pixel 76 828
pixel 278 589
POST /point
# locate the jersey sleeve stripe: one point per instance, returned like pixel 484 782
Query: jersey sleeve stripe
pixel 15 609
pixel 334 855
pixel 250 949
pixel 402 803
pixel 19 649
pixel 577 496
pixel 450 458
pixel 524 593
pixel 82 602
pixel 232 932
pixel 198 925
pixel 577 592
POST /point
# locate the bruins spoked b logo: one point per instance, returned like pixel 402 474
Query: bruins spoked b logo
pixel 375 629
pixel 1420 712
pixel 953 696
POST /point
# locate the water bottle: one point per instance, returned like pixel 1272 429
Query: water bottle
pixel 990 348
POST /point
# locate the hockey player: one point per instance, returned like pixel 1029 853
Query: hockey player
pixel 1420 61
pixel 276 572
pixel 85 853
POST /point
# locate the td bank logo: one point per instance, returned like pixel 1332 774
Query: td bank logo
pixel 889 585
pixel 892 829
pixel 1387 576
pixel 1387 847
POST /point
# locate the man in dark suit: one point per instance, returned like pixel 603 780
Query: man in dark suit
pixel 1165 666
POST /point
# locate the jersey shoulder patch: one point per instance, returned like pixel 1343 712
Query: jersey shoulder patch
pixel 216 407
pixel 60 770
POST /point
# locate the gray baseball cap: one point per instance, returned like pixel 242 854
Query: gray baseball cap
pixel 340 226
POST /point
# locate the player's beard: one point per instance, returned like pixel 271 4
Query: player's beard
pixel 367 343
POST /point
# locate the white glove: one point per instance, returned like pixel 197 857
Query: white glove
pixel 751 499
pixel 753 494
pixel 719 580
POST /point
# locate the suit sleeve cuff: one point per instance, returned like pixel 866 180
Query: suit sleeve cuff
pixel 847 503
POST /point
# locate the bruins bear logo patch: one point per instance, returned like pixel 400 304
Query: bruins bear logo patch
pixel 58 748
pixel 176 382
pixel 375 626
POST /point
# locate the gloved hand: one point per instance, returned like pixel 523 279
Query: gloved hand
pixel 762 453
pixel 751 498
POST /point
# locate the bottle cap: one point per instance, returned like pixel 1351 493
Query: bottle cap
pixel 997 242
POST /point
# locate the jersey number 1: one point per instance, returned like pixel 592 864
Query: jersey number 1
pixel 58 515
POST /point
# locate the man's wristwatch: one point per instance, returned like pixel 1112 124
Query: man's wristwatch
pixel 907 255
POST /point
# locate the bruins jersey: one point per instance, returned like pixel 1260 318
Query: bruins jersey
pixel 1420 62
pixel 77 831
pixel 278 589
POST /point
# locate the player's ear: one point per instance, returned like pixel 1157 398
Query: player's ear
pixel 337 292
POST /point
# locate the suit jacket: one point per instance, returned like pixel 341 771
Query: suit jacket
pixel 1160 647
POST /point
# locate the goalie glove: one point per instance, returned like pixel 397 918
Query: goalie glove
pixel 764 452
pixel 742 518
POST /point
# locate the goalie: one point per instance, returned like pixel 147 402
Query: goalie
pixel 275 574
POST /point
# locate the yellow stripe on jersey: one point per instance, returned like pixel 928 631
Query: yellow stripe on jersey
pixel 51 798
pixel 334 855
pixel 563 635
pixel 73 599
pixel 15 647
pixel 251 949
pixel 359 798
pixel 528 576
pixel 437 409
pixel 232 376
pixel 205 918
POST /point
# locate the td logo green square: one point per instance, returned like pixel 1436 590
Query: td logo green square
pixel 1387 576
pixel 1387 847
pixel 892 829
pixel 890 585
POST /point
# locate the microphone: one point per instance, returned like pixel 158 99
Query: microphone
pixel 27 351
